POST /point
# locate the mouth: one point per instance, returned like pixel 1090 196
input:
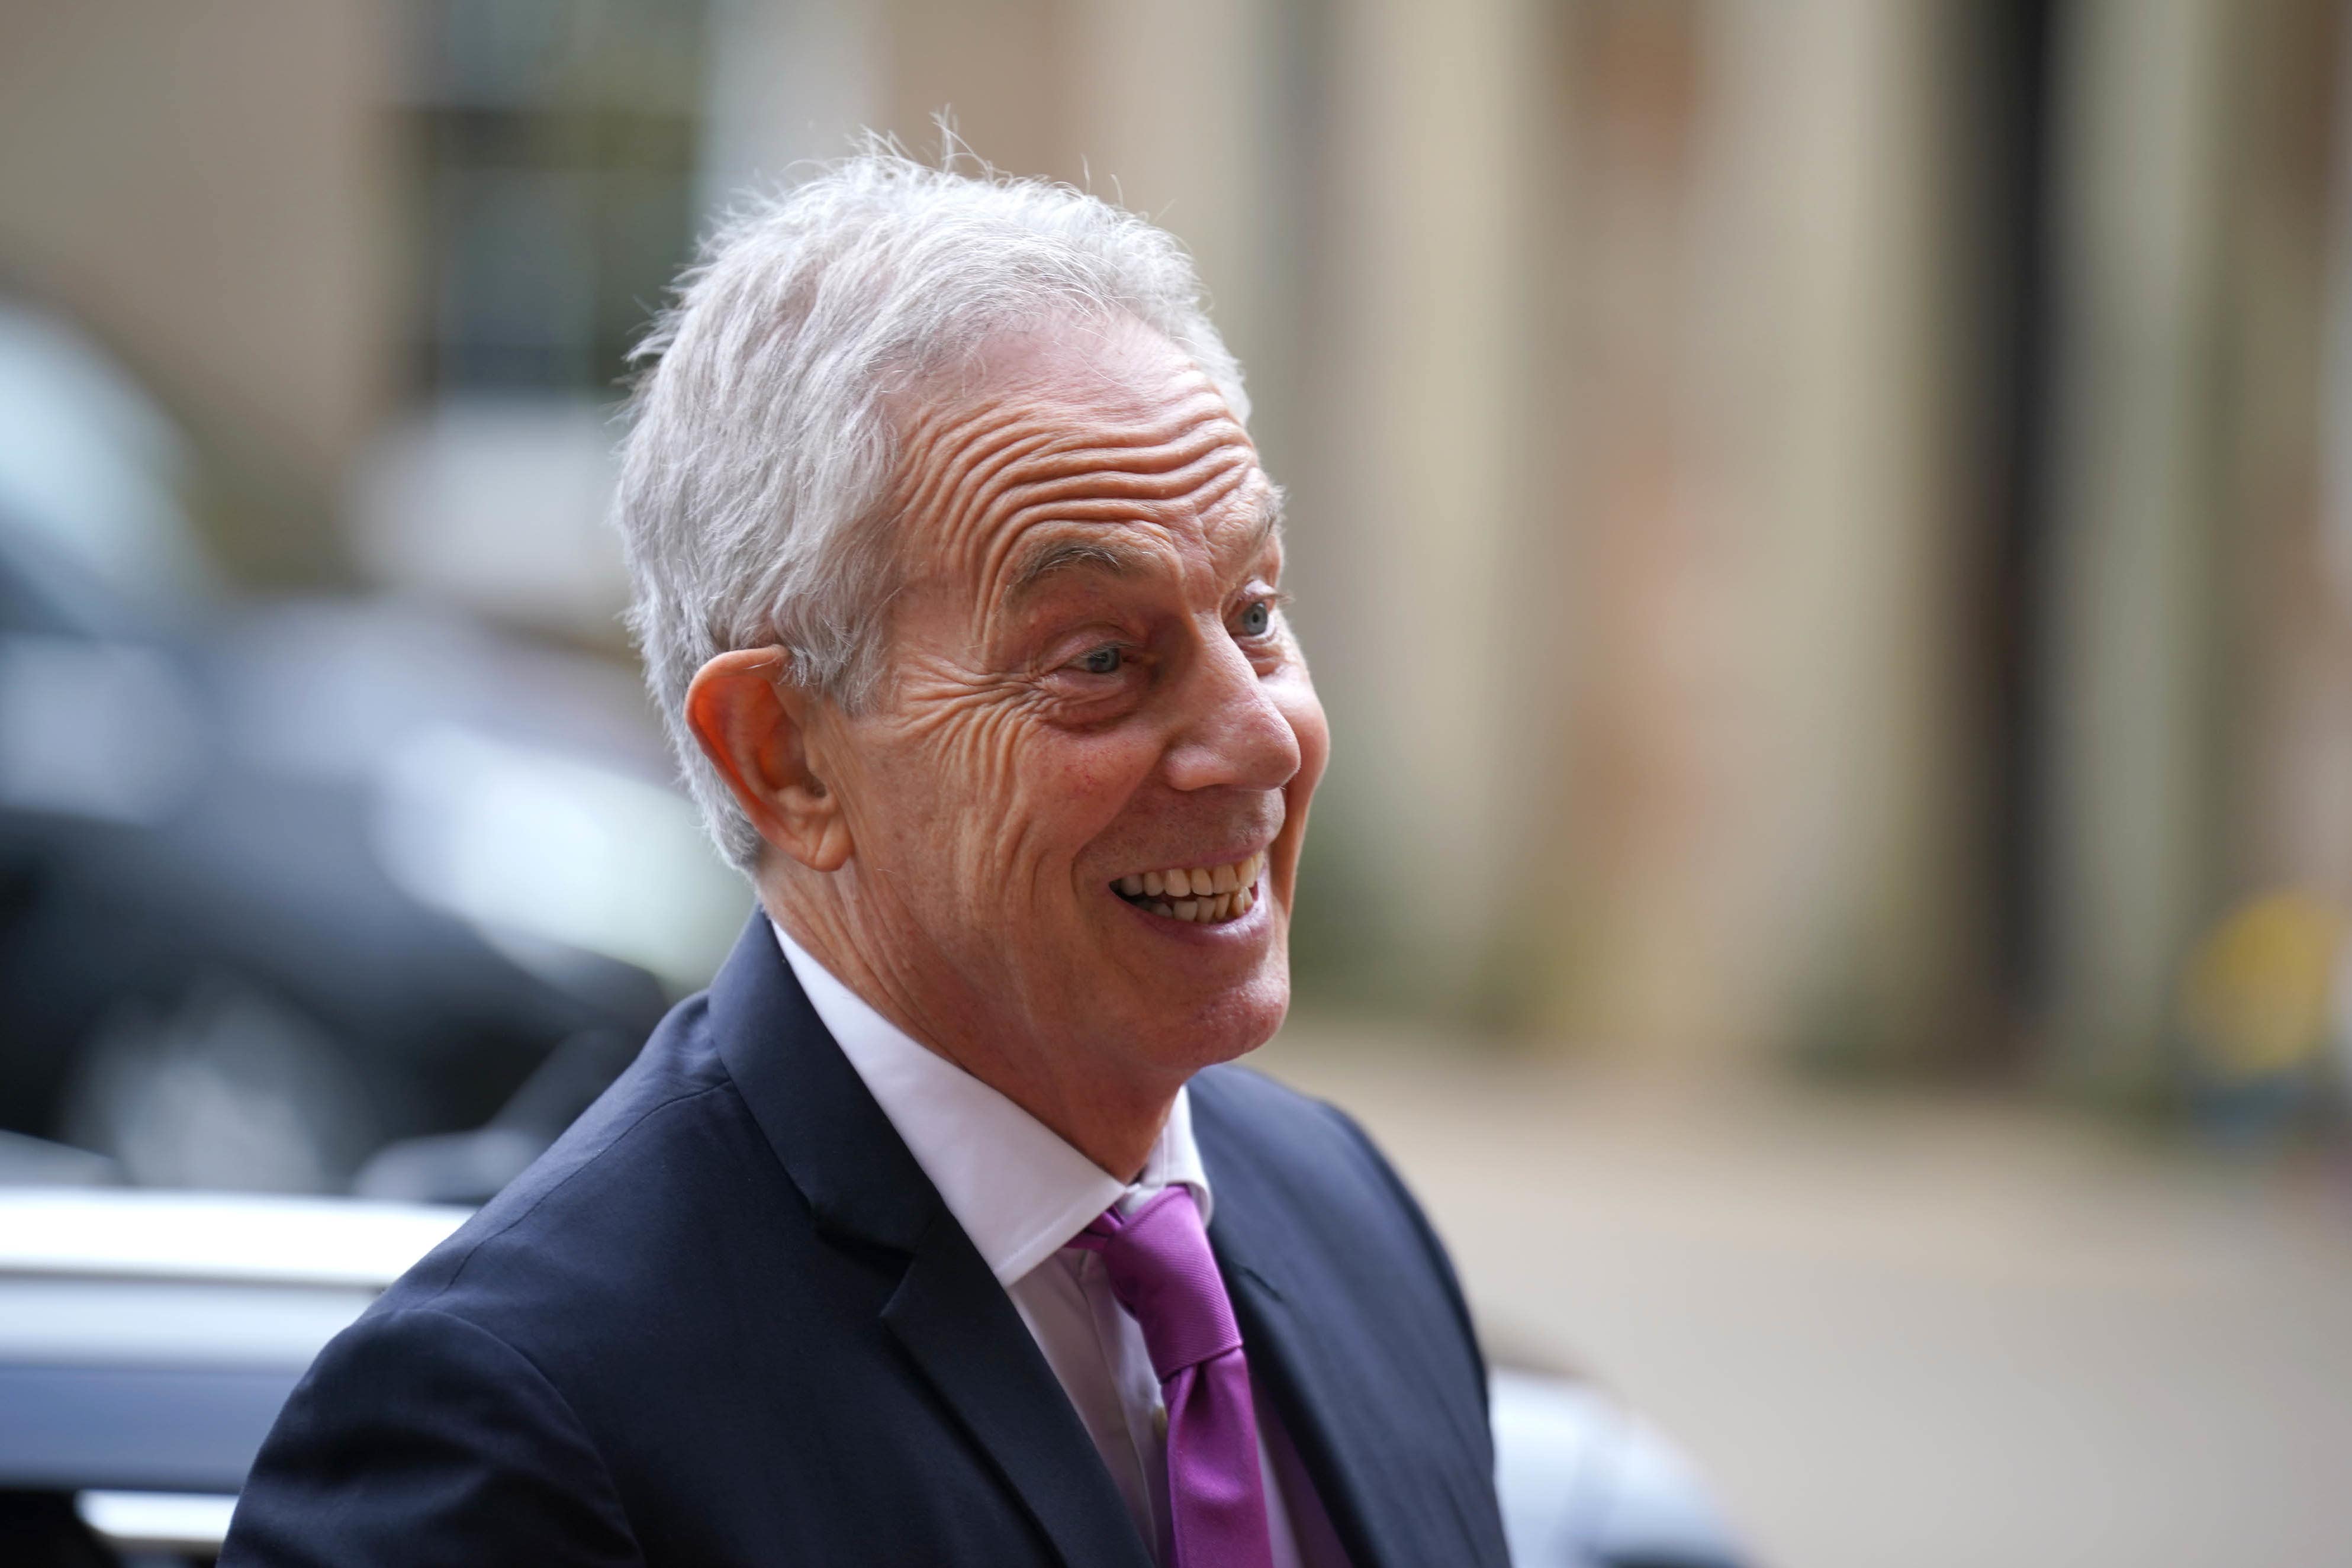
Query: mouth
pixel 1198 895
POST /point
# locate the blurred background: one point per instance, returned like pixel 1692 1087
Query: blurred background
pixel 1824 527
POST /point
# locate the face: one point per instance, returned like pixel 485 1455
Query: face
pixel 1095 698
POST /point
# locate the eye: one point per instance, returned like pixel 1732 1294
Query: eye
pixel 1257 618
pixel 1103 661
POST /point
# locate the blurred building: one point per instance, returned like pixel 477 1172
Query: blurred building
pixel 1821 524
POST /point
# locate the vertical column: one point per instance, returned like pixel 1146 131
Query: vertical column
pixel 1840 449
pixel 2133 621
pixel 1412 500
pixel 1763 803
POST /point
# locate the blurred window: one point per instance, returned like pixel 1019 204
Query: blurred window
pixel 556 145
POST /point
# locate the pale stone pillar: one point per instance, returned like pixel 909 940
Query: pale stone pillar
pixel 1763 806
pixel 1413 503
pixel 1840 146
pixel 2133 621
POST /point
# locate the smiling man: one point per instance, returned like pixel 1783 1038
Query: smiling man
pixel 938 1231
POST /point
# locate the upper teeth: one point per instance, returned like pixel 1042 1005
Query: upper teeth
pixel 1199 893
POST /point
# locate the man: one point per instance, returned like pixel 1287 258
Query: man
pixel 935 1232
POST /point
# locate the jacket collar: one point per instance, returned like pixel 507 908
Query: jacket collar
pixel 1015 1185
pixel 833 1139
pixel 948 1311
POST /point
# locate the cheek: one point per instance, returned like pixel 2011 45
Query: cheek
pixel 1005 799
pixel 942 785
pixel 1075 788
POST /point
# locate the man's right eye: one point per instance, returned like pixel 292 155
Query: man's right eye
pixel 1103 661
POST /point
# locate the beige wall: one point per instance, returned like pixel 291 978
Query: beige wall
pixel 204 183
pixel 1616 358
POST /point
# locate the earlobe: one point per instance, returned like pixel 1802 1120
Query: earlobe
pixel 753 724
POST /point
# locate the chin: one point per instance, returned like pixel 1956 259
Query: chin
pixel 1227 1025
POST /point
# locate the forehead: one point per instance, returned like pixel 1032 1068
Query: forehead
pixel 1046 440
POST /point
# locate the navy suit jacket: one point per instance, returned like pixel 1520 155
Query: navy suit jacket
pixel 727 1320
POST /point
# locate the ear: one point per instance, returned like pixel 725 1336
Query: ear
pixel 752 722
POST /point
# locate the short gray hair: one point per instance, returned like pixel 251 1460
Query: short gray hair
pixel 758 456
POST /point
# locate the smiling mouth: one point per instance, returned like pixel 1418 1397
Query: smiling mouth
pixel 1199 895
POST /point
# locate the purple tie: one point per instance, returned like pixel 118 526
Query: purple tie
pixel 1164 1273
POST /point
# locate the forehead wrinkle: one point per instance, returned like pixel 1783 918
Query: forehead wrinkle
pixel 1025 566
pixel 1147 462
pixel 981 471
pixel 1126 460
pixel 947 442
pixel 1207 477
pixel 964 456
pixel 966 453
pixel 1075 485
pixel 1201 487
pixel 942 436
pixel 1083 429
pixel 1064 423
pixel 1088 476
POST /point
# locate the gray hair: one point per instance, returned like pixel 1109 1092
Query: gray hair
pixel 759 455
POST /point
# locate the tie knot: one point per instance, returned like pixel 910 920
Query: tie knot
pixel 1163 1273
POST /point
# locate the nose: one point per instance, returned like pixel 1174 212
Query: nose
pixel 1231 733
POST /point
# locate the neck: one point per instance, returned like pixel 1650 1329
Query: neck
pixel 1088 1105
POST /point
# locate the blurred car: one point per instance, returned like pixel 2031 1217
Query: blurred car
pixel 1585 1482
pixel 148 1339
pixel 301 894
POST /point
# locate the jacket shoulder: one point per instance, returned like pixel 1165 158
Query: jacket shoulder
pixel 409 1393
pixel 664 1153
pixel 1273 1129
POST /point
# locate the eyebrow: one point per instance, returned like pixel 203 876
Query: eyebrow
pixel 1057 556
pixel 1265 525
pixel 1045 561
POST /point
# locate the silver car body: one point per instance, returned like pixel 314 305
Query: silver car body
pixel 148 1338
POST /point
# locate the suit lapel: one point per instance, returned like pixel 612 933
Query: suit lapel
pixel 1387 1427
pixel 1322 1413
pixel 958 1326
pixel 954 1321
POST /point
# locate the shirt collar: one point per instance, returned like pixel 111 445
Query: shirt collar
pixel 1019 1191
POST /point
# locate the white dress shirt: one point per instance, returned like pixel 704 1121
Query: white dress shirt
pixel 1021 1193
